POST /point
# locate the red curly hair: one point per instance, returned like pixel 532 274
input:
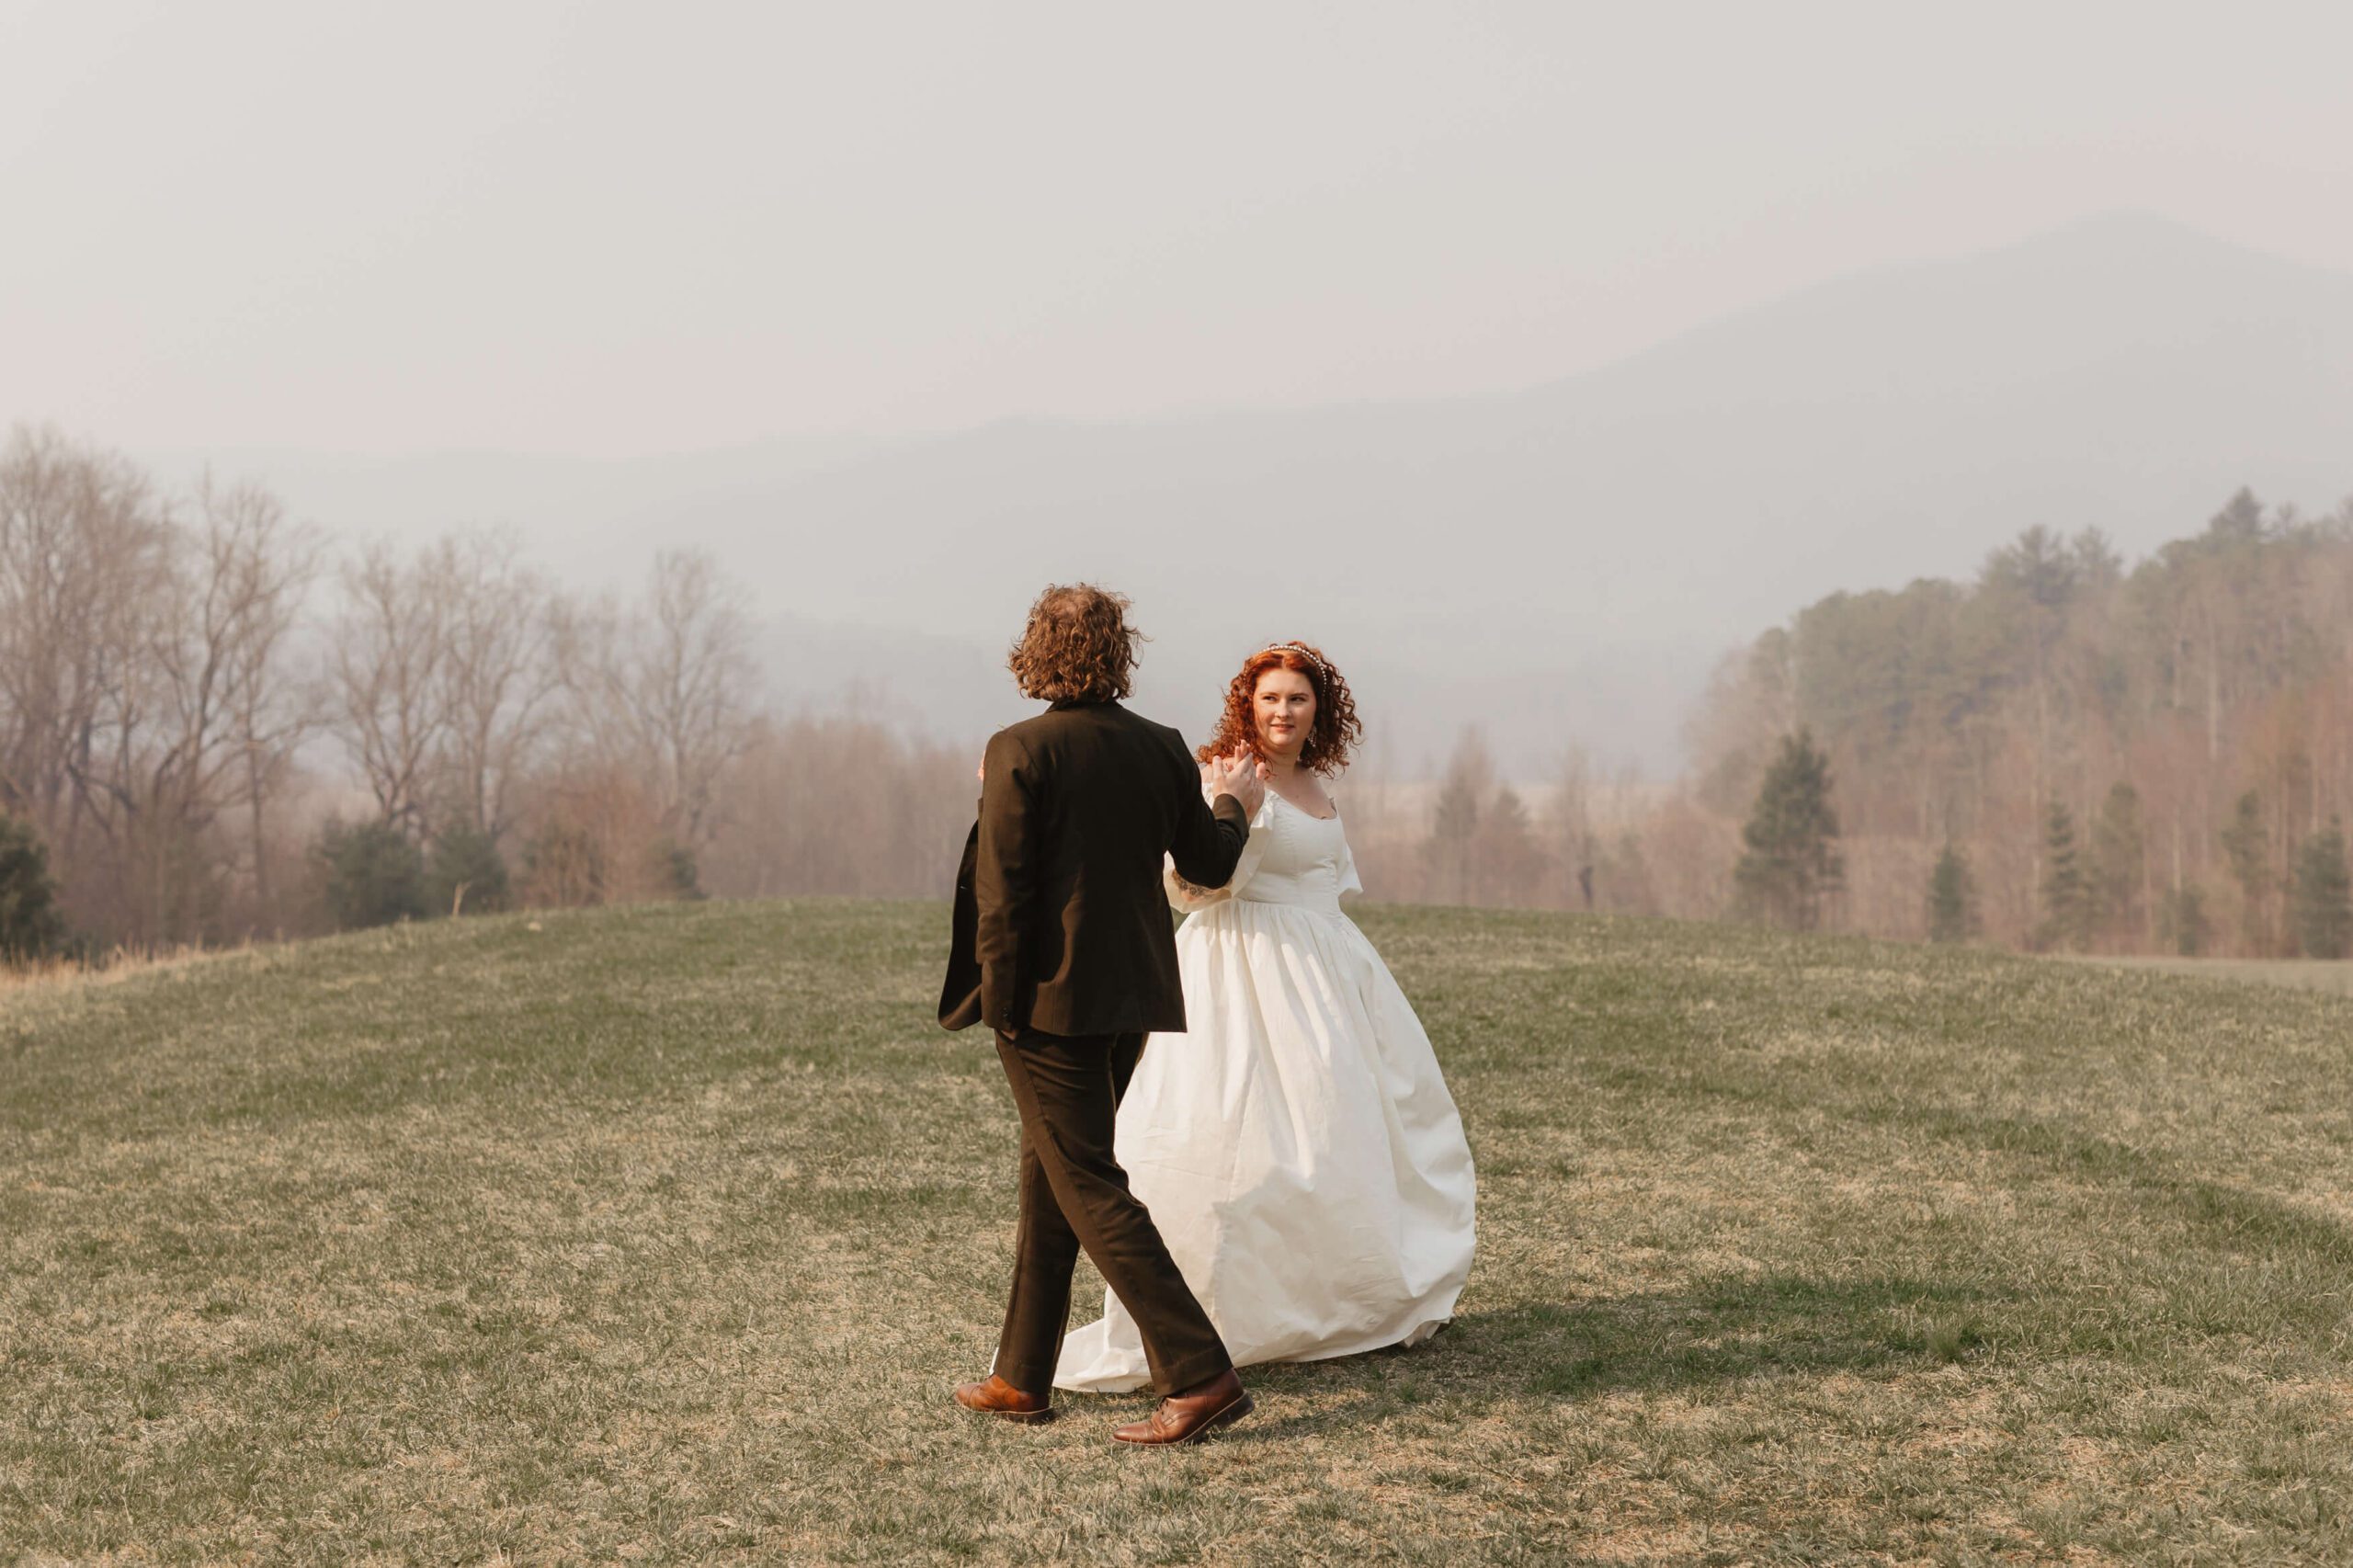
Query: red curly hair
pixel 1329 740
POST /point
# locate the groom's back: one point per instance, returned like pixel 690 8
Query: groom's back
pixel 1097 796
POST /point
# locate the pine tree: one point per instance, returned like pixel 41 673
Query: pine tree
pixel 1505 859
pixel 374 875
pixel 2119 863
pixel 2181 920
pixel 2066 902
pixel 2248 849
pixel 1789 867
pixel 464 872
pixel 2323 896
pixel 1953 899
pixel 1450 856
pixel 30 926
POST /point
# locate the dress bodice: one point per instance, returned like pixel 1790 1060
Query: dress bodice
pixel 1304 861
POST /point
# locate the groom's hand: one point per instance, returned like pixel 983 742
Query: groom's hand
pixel 1238 776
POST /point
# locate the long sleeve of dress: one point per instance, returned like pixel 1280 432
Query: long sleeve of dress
pixel 1188 894
pixel 1211 832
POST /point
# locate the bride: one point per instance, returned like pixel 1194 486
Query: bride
pixel 1296 1146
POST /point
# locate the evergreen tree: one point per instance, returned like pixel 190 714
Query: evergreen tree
pixel 1506 858
pixel 1789 867
pixel 2323 896
pixel 374 875
pixel 2181 920
pixel 1451 855
pixel 2249 852
pixel 2066 901
pixel 29 924
pixel 2119 863
pixel 466 859
pixel 675 869
pixel 1953 899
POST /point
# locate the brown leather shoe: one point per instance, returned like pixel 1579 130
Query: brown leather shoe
pixel 993 1396
pixel 1193 1415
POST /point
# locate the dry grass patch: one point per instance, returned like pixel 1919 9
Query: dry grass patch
pixel 658 1235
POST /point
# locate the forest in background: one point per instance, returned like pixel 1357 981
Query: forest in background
pixel 2126 760
pixel 2064 753
pixel 216 724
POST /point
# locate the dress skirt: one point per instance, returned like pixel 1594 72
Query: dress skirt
pixel 1298 1149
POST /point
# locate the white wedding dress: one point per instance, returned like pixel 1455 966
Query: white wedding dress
pixel 1297 1145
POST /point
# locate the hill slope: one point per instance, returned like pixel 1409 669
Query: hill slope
pixel 663 1233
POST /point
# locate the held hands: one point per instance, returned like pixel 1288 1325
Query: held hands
pixel 1241 776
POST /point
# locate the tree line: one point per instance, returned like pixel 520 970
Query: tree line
pixel 216 722
pixel 215 725
pixel 2060 754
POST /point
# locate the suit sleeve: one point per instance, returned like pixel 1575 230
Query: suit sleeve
pixel 1209 839
pixel 1005 880
pixel 959 992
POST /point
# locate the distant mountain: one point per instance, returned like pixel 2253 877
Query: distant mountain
pixel 1565 562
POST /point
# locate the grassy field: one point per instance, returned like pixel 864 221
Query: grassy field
pixel 660 1235
pixel 2305 973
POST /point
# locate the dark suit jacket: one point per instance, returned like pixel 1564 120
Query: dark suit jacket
pixel 1061 922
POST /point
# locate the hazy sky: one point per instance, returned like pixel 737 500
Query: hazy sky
pixel 629 228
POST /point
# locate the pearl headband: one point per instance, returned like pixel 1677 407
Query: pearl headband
pixel 1302 650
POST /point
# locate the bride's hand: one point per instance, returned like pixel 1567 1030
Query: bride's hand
pixel 1239 776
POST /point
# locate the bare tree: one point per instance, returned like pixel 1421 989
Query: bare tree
pixel 82 538
pixel 495 674
pixel 196 730
pixel 665 689
pixel 837 805
pixel 265 567
pixel 389 697
pixel 140 664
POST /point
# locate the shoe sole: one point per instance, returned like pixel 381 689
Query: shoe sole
pixel 1226 1416
pixel 1027 1417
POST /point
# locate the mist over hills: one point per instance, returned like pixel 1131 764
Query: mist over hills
pixel 1561 564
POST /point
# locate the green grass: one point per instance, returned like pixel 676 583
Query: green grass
pixel 661 1235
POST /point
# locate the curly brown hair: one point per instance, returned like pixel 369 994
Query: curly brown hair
pixel 1329 740
pixel 1077 647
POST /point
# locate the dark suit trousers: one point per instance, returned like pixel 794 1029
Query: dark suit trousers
pixel 1075 1195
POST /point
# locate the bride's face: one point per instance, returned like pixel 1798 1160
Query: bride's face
pixel 1284 705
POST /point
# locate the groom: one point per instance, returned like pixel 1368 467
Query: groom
pixel 1062 945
